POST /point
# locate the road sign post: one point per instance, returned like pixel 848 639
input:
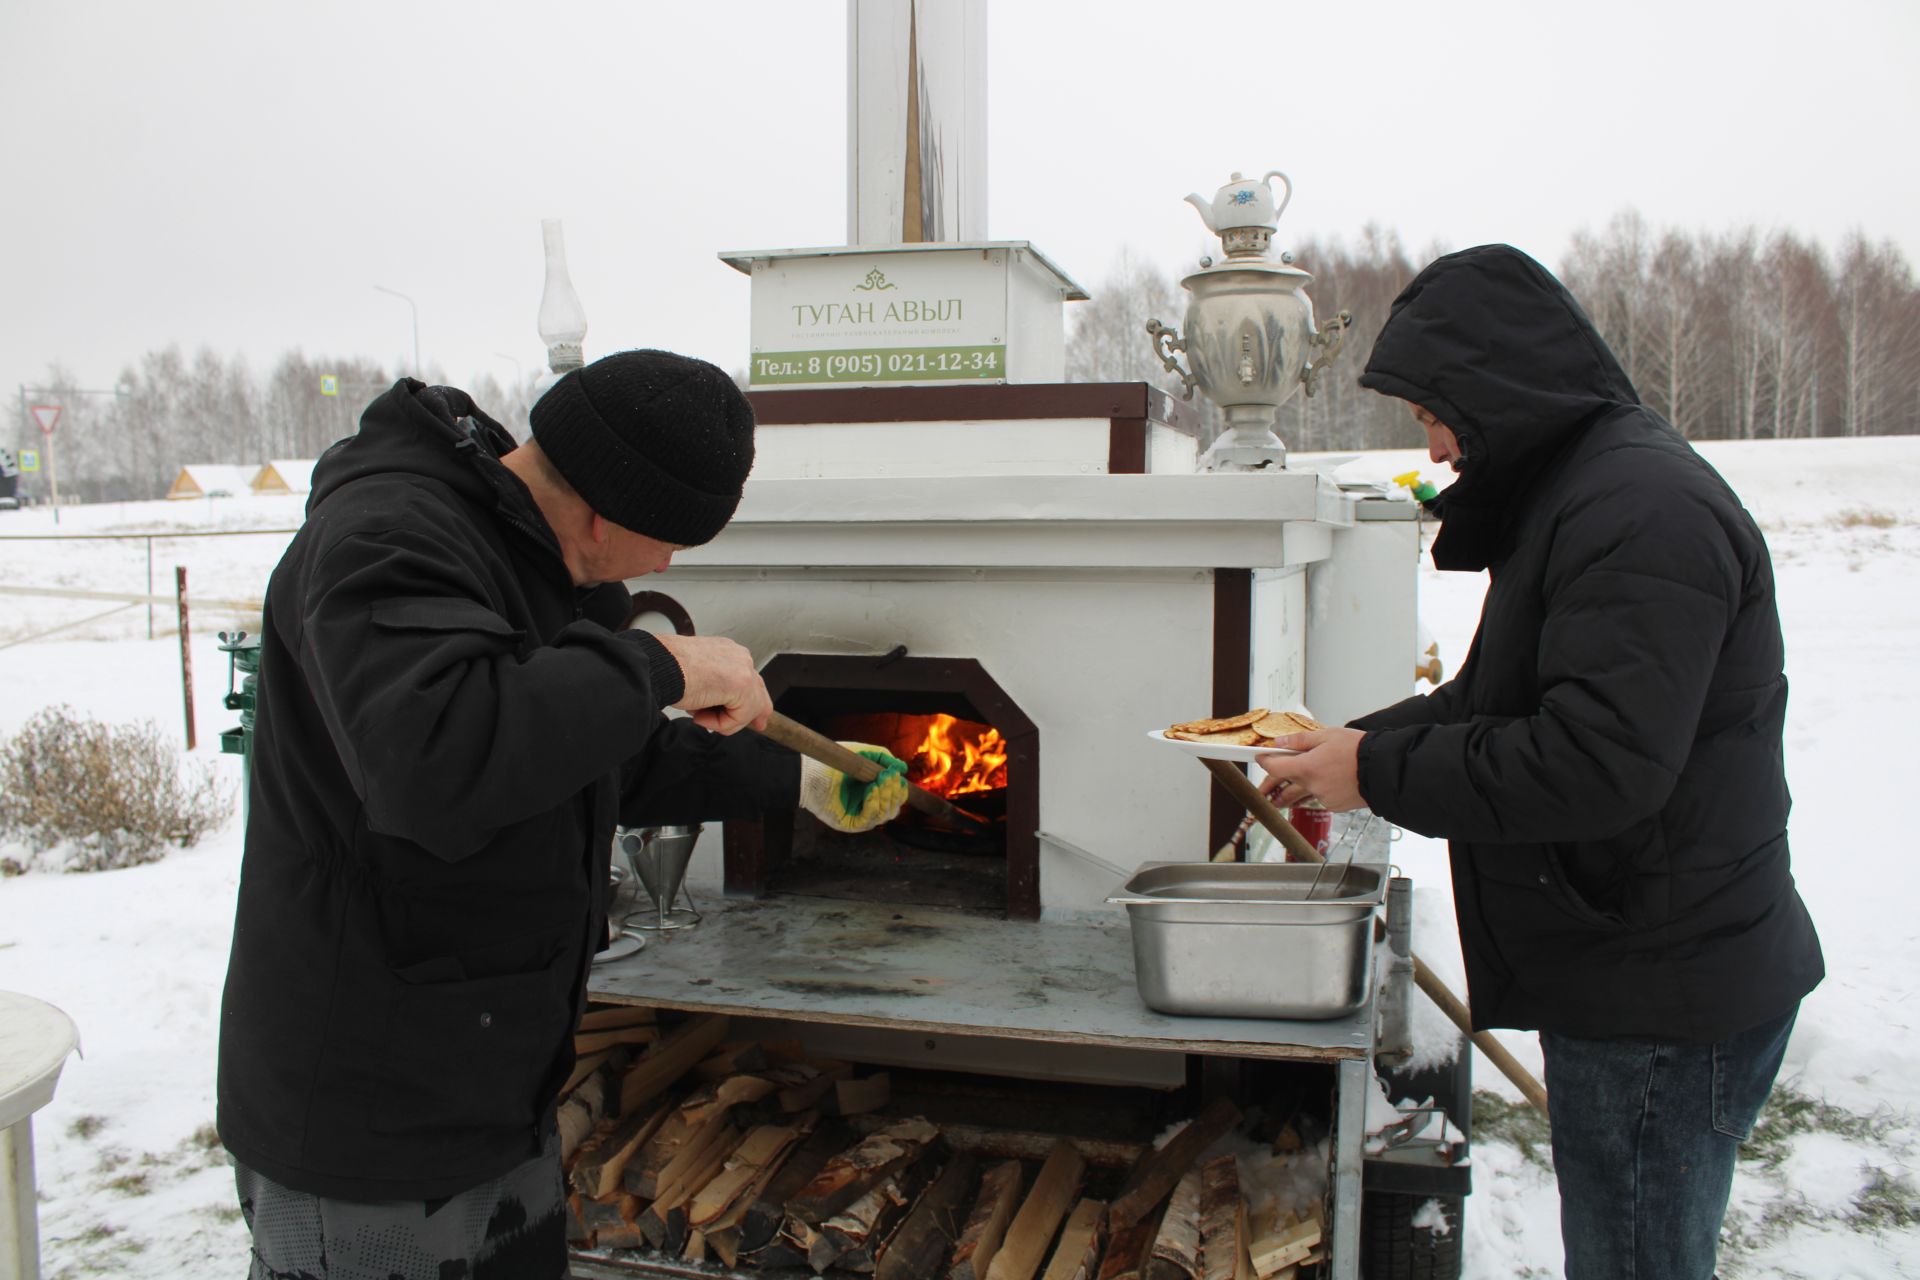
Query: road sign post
pixel 47 415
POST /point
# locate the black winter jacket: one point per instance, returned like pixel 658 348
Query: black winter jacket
pixel 447 730
pixel 1607 762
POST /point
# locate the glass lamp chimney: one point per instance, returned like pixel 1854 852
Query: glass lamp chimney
pixel 563 321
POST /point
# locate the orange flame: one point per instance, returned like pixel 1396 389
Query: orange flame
pixel 947 767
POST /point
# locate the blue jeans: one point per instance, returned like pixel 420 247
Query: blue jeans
pixel 1644 1139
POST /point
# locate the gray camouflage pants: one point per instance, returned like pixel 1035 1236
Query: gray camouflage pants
pixel 512 1227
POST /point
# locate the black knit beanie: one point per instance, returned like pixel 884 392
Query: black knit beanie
pixel 655 442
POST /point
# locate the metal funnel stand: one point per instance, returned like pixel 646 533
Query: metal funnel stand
pixel 659 857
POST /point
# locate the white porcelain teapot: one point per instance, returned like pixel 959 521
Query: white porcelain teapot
pixel 1243 202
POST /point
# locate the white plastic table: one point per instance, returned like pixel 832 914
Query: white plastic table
pixel 35 1039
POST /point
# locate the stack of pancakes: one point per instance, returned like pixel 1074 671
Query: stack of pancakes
pixel 1248 729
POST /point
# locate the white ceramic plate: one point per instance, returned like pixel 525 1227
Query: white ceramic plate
pixel 1217 750
pixel 623 946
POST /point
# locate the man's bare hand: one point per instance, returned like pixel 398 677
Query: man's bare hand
pixel 1327 769
pixel 724 692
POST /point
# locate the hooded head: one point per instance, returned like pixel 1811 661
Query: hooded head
pixel 1488 342
pixel 656 442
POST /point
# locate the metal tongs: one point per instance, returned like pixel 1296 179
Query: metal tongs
pixel 1352 836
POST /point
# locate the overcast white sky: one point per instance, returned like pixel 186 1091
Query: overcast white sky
pixel 241 175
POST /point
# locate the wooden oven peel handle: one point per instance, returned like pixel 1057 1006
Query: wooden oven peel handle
pixel 795 736
pixel 1241 788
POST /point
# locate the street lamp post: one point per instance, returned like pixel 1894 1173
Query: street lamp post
pixel 417 370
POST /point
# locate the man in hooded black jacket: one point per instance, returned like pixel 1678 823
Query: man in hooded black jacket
pixel 1607 763
pixel 451 719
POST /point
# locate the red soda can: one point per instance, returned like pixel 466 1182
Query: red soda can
pixel 1315 824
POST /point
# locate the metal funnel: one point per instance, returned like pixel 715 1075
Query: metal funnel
pixel 659 857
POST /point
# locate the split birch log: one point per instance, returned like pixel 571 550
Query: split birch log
pixel 818 1079
pixel 778 1252
pixel 585 1107
pixel 1040 1215
pixel 685 1119
pixel 669 1210
pixel 683 1138
pixel 669 1059
pixel 602 1159
pixel 723 1231
pixel 1128 1250
pixel 1176 1250
pixel 1160 1172
pixel 763 1217
pixel 851 1238
pixel 610 1219
pixel 854 1097
pixel 583 1068
pixel 987 1224
pixel 920 1247
pixel 578 1232
pixel 1077 1256
pixel 853 1173
pixel 696 1250
pixel 725 1244
pixel 748 1163
pixel 1221 1215
pixel 739 1058
pixel 619 1015
pixel 1023 1144
pixel 595 1041
pixel 1243 1242
pixel 712 1143
pixel 1284 1248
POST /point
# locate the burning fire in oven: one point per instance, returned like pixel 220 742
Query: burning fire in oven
pixel 955 757
pixel 946 755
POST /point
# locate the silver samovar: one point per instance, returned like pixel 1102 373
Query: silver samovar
pixel 1249 334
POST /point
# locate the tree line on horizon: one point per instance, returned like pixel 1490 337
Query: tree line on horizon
pixel 1733 335
pixel 168 411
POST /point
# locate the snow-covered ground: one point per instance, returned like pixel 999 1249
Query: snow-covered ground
pixel 132 1185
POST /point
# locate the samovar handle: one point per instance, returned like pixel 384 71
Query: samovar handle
pixel 1166 341
pixel 1286 182
pixel 1330 335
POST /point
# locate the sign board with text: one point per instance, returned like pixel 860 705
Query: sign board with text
pixel 867 316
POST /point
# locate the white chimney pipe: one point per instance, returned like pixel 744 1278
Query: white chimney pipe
pixel 916 121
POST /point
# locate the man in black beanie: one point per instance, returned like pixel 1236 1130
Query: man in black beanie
pixel 451 720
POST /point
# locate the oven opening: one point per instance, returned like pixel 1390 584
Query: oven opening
pixel 962 739
pixel 915 858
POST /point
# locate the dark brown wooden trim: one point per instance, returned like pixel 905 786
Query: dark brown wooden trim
pixel 662 603
pixel 1127 447
pixel 1232 665
pixel 1109 400
pixel 743 856
pixel 962 676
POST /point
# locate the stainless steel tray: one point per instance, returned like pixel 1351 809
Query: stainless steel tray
pixel 1243 940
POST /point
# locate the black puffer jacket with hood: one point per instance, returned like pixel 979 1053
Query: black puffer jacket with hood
pixel 447 730
pixel 1607 763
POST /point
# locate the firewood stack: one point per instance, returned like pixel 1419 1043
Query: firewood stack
pixel 756 1156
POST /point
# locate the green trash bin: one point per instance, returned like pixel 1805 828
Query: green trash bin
pixel 243 695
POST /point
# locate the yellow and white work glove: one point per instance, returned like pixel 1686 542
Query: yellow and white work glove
pixel 847 804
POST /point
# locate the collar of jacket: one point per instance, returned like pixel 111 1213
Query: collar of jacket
pixel 439 433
